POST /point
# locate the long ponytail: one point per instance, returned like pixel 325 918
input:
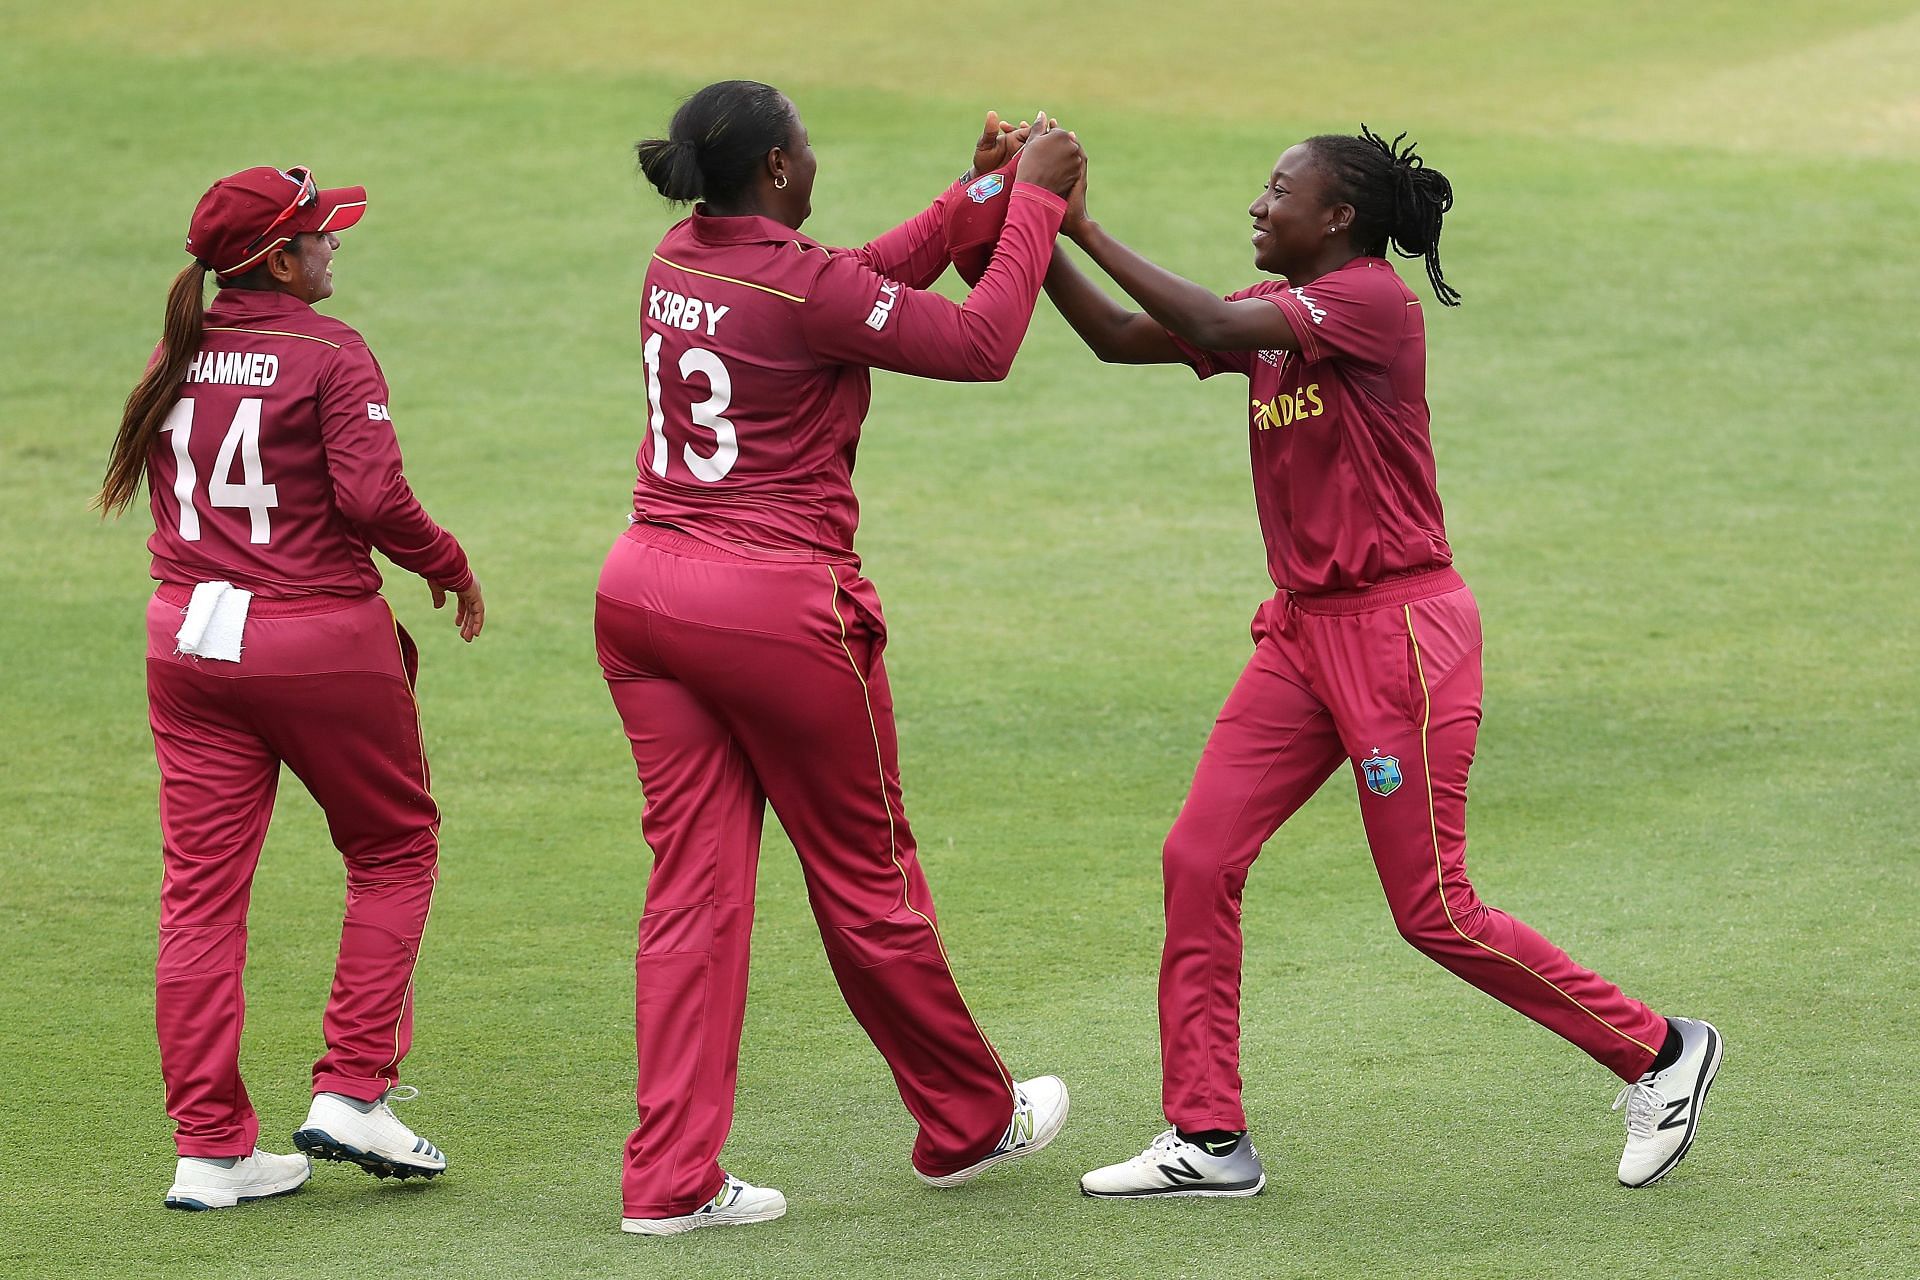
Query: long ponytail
pixel 1396 198
pixel 154 395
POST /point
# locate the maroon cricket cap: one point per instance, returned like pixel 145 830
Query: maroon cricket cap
pixel 244 217
pixel 974 221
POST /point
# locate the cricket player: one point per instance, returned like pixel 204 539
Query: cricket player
pixel 1368 653
pixel 742 646
pixel 262 432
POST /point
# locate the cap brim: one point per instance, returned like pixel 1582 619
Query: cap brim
pixel 338 208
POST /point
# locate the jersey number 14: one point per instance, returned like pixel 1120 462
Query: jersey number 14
pixel 253 494
pixel 706 413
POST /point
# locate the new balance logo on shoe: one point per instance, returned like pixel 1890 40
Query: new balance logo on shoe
pixel 1676 1113
pixel 1181 1172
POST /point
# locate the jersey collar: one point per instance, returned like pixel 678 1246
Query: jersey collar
pixel 257 304
pixel 751 229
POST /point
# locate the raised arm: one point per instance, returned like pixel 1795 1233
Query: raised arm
pixel 858 317
pixel 915 252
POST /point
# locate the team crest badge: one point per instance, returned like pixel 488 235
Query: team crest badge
pixel 986 188
pixel 1382 774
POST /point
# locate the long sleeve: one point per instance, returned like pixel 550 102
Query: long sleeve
pixel 855 315
pixel 915 252
pixel 363 464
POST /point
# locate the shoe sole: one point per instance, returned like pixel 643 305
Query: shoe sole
pixel 1239 1189
pixel 694 1222
pixel 1040 1140
pixel 1694 1112
pixel 214 1200
pixel 322 1145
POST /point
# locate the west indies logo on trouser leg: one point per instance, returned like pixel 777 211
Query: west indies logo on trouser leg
pixel 1382 773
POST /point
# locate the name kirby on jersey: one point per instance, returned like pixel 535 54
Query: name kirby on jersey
pixel 678 311
pixel 236 368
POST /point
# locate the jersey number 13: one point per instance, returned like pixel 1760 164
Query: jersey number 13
pixel 706 413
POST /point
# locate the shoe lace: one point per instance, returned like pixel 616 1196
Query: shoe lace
pixel 1643 1103
pixel 399 1093
pixel 1165 1144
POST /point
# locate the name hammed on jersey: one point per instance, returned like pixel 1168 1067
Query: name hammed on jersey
pixel 235 368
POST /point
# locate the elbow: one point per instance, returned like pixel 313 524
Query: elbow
pixel 989 366
pixel 1206 332
pixel 369 506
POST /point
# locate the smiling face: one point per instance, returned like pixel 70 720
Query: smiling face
pixel 1295 222
pixel 304 266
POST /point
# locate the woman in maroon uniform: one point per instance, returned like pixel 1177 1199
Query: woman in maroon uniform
pixel 261 431
pixel 743 648
pixel 1369 652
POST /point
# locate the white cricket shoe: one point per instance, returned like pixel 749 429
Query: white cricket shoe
pixel 376 1140
pixel 1172 1166
pixel 1039 1109
pixel 200 1183
pixel 1663 1107
pixel 737 1204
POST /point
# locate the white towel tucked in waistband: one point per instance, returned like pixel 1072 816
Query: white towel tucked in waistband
pixel 216 616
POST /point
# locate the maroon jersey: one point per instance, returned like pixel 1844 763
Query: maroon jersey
pixel 758 343
pixel 1343 470
pixel 278 467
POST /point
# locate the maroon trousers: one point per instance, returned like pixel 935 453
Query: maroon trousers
pixel 742 682
pixel 1388 680
pixel 324 685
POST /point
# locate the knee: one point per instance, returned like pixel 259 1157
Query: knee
pixel 1432 925
pixel 1187 854
pixel 411 855
pixel 896 936
pixel 190 950
pixel 1197 874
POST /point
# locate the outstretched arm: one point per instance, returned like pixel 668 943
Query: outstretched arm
pixel 1190 310
pixel 1113 333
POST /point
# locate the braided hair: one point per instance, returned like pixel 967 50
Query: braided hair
pixel 1395 197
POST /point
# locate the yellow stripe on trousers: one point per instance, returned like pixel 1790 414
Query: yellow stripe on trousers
pixel 426 785
pixel 893 849
pixel 1433 828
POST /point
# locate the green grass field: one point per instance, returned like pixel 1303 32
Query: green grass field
pixel 1674 423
